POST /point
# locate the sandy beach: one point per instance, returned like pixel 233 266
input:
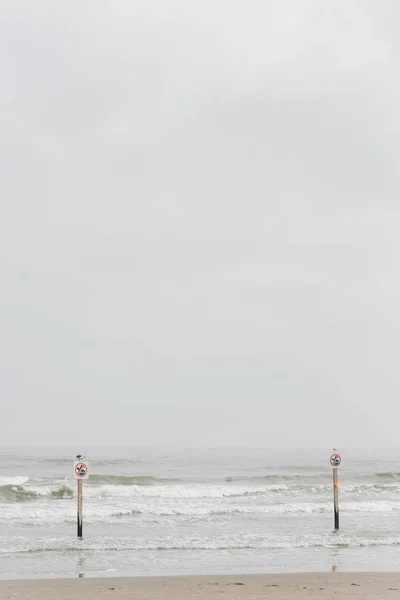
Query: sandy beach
pixel 338 586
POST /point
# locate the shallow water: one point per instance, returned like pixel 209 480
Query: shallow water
pixel 197 511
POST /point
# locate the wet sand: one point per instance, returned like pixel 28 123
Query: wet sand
pixel 338 586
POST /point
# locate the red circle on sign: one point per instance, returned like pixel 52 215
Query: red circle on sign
pixel 335 460
pixel 81 470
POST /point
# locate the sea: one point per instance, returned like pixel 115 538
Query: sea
pixel 186 511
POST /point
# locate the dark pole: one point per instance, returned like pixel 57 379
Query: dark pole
pixel 80 517
pixel 336 496
pixel 80 471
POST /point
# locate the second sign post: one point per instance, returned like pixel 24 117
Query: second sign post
pixel 81 472
pixel 335 461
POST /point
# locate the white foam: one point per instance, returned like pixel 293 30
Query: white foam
pixel 372 506
pixel 65 510
pixel 17 480
pixel 191 542
pixel 180 491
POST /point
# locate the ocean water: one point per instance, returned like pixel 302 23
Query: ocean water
pixel 153 512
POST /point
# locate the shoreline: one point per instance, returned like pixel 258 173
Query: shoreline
pixel 341 586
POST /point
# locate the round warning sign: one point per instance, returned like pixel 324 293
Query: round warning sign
pixel 81 470
pixel 335 460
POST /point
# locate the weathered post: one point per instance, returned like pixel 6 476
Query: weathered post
pixel 335 461
pixel 81 472
pixel 80 510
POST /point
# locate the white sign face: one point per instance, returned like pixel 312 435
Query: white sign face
pixel 81 469
pixel 335 460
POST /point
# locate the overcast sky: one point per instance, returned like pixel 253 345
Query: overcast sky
pixel 199 226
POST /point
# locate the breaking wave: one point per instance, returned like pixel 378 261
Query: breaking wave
pixel 171 543
pixel 131 480
pixel 17 493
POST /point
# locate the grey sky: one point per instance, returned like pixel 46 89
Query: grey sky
pixel 199 222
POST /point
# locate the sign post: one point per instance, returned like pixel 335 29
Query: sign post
pixel 81 472
pixel 335 461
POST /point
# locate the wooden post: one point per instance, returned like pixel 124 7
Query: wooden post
pixel 336 497
pixel 335 461
pixel 81 472
pixel 80 507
